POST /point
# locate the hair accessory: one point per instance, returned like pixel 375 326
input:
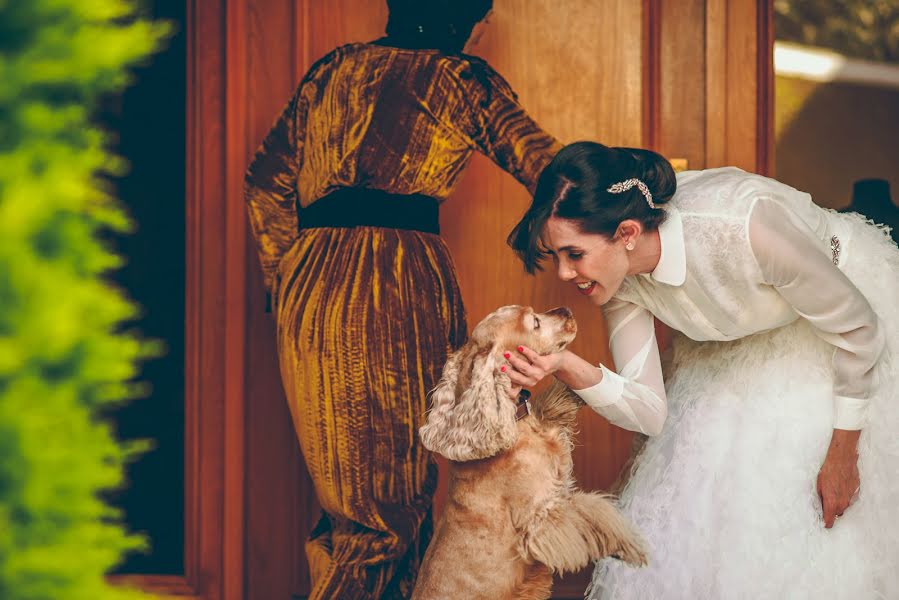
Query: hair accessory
pixel 624 186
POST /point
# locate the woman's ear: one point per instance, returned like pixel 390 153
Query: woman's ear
pixel 471 416
pixel 628 231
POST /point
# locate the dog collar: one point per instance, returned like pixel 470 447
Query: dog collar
pixel 523 406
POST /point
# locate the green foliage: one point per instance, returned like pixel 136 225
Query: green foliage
pixel 62 360
pixel 858 28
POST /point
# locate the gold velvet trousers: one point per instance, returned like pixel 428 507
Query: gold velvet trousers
pixel 366 319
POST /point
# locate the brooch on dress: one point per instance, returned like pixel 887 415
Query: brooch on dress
pixel 835 249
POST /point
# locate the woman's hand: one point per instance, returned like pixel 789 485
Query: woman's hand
pixel 838 480
pixel 526 368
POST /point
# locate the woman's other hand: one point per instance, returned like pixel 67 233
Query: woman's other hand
pixel 838 480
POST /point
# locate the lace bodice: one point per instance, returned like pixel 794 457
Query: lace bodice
pixel 741 254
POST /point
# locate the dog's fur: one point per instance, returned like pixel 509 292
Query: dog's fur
pixel 513 516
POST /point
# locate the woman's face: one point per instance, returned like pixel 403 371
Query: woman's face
pixel 593 263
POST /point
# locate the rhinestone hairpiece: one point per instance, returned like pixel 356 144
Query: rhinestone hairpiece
pixel 624 186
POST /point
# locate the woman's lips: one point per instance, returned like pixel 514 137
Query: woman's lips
pixel 586 287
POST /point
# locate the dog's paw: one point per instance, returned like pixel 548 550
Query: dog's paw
pixel 632 552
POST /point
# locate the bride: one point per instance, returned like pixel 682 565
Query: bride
pixel 772 466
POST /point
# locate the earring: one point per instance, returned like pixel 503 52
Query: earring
pixel 629 246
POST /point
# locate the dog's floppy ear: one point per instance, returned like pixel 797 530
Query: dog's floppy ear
pixel 473 421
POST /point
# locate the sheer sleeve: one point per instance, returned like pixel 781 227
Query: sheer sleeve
pixel 634 398
pixel 270 187
pixel 797 264
pixel 506 134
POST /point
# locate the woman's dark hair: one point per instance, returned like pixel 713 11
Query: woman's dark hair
pixel 575 186
pixel 442 24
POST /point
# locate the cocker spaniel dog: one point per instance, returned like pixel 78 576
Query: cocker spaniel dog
pixel 513 516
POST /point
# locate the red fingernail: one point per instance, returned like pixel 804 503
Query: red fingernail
pixel 507 354
pixel 503 369
pixel 521 348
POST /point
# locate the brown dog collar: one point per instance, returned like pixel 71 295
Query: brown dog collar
pixel 523 406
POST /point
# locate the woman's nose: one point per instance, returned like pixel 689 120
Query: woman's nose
pixel 566 273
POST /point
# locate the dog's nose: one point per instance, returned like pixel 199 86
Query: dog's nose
pixel 562 311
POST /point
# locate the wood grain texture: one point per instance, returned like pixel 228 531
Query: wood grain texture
pixel 739 84
pixel 764 102
pixel 236 117
pixel 205 311
pixel 271 452
pixel 682 80
pixel 715 80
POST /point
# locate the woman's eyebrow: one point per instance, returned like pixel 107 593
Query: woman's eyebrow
pixel 575 249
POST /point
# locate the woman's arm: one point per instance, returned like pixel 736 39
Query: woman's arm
pixel 270 187
pixel 802 271
pixel 792 260
pixel 504 131
pixel 634 398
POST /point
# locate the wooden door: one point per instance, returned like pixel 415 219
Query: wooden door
pixel 688 78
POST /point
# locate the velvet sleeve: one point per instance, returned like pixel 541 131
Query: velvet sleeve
pixel 507 134
pixel 270 187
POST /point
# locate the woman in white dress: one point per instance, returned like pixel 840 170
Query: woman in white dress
pixel 778 413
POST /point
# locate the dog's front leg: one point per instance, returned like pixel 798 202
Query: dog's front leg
pixel 584 528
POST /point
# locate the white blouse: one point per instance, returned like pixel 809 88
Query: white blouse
pixel 741 254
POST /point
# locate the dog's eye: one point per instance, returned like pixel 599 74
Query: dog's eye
pixel 536 323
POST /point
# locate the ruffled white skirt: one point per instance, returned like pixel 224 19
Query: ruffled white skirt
pixel 726 495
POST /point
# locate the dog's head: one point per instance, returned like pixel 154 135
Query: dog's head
pixel 471 416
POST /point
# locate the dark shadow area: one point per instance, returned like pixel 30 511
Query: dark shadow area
pixel 148 121
pixel 843 132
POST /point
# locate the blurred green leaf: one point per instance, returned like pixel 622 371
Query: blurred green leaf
pixel 63 360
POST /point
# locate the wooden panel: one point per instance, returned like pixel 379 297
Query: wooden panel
pixel 682 78
pixel 742 86
pixel 235 300
pixel 652 65
pixel 271 453
pixel 204 310
pixel 739 81
pixel 764 102
pixel 322 26
pixel 715 85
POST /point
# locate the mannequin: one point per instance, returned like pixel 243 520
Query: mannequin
pixel 871 197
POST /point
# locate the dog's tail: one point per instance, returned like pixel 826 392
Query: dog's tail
pixel 557 405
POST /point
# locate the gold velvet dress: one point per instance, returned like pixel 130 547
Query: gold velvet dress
pixel 367 315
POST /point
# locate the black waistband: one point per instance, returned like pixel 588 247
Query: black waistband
pixel 363 207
